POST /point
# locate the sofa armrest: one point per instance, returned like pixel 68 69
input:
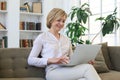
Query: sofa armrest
pixel 114 52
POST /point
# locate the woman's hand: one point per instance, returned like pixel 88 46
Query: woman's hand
pixel 60 60
pixel 91 62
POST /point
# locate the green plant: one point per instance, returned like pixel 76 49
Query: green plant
pixel 110 23
pixel 76 28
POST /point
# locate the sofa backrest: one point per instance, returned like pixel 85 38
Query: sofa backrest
pixel 13 64
pixel 114 53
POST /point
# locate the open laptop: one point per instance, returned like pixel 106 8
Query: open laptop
pixel 83 53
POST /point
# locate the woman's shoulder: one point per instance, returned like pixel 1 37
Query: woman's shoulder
pixel 42 34
pixel 65 37
pixel 41 37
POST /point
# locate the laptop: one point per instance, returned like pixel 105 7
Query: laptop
pixel 83 53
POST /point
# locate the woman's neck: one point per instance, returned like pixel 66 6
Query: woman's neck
pixel 55 33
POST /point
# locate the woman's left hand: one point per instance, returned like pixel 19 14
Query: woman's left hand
pixel 91 62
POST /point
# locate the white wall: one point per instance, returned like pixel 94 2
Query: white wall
pixel 12 23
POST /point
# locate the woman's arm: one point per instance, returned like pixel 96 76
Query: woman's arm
pixel 60 60
pixel 33 58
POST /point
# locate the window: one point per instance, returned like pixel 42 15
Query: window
pixel 100 8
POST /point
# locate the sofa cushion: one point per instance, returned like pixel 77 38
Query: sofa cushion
pixel 115 57
pixel 100 64
pixel 106 54
pixel 111 75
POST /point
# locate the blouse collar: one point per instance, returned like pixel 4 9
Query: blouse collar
pixel 53 37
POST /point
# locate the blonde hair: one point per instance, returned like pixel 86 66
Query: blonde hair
pixel 54 14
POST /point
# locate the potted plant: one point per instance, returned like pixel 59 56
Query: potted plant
pixel 110 24
pixel 75 28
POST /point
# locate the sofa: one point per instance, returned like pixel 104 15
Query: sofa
pixel 13 64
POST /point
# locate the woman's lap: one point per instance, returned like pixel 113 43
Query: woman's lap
pixel 68 73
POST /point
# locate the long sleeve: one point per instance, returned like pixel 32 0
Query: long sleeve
pixel 70 49
pixel 48 46
pixel 33 58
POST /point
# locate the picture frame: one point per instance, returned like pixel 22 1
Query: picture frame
pixel 37 7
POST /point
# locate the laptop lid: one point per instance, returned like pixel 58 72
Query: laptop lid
pixel 83 53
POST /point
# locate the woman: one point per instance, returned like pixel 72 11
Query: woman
pixel 55 49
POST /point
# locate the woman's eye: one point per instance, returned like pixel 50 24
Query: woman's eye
pixel 58 20
pixel 61 21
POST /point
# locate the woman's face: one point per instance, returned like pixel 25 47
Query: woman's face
pixel 58 24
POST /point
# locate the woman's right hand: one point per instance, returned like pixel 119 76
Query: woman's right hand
pixel 60 60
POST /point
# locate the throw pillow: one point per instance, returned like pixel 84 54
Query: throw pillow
pixel 100 64
pixel 106 55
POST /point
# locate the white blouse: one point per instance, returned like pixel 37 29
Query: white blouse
pixel 49 47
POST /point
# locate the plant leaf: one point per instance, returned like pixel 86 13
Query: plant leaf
pixel 79 14
pixel 84 17
pixel 73 14
pixel 100 18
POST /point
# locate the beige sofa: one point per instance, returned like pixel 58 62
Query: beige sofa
pixel 13 65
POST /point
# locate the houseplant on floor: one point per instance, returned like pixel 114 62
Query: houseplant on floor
pixel 75 28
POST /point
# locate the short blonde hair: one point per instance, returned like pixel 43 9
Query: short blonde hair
pixel 54 14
